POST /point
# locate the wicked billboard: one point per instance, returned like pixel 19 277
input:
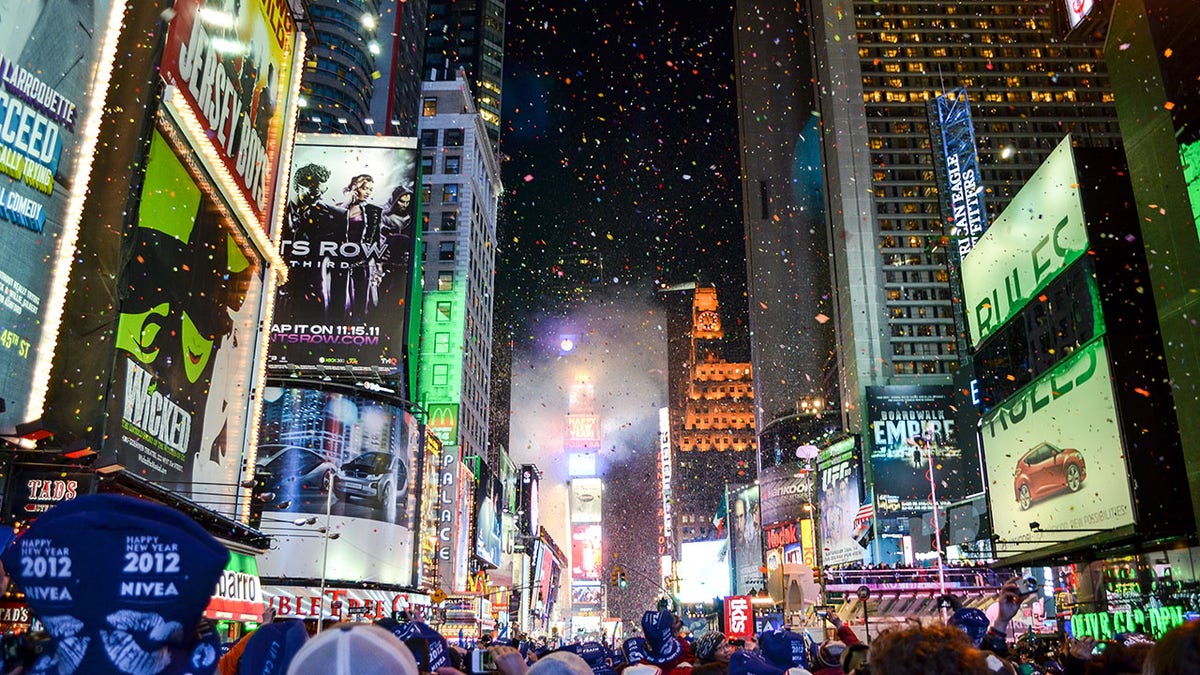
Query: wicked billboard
pixel 186 337
pixel 908 426
pixel 348 458
pixel 347 240
pixel 53 69
pixel 230 67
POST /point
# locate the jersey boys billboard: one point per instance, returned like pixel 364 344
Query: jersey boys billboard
pixel 49 55
pixel 186 336
pixel 347 240
pixel 232 72
pixel 349 456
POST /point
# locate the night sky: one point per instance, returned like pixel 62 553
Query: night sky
pixel 620 146
pixel 621 174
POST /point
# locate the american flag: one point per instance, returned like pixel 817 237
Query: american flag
pixel 865 512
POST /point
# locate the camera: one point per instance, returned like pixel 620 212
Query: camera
pixel 1027 586
pixel 481 661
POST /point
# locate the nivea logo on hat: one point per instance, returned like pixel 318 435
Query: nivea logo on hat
pixel 661 644
pixel 785 648
pixel 635 649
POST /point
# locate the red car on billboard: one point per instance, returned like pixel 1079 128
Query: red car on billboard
pixel 1046 470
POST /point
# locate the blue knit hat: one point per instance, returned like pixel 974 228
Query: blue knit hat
pixel 269 650
pixel 428 646
pixel 661 644
pixel 785 649
pixel 120 584
pixel 634 649
pixel 748 663
pixel 972 621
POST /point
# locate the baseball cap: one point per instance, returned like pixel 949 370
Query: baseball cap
pixel 354 649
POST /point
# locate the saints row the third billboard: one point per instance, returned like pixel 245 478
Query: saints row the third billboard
pixel 907 426
pixel 349 458
pixel 839 499
pixel 347 240
pixel 1055 457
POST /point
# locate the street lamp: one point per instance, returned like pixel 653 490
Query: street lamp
pixel 937 523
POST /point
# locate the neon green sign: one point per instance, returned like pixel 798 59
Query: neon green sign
pixel 1154 622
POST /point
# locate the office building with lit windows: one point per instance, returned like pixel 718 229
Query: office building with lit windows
pixel 710 413
pixel 363 74
pixel 459 196
pixel 877 64
pixel 468 35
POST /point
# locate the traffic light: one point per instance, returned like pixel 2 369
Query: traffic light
pixel 816 575
pixel 616 576
pixel 621 582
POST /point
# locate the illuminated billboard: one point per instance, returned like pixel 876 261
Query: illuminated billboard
pixel 586 500
pixel 586 553
pixel 1055 456
pixel 347 241
pixel 907 426
pixel 443 421
pixel 186 338
pixel 489 496
pixel 786 490
pixel 703 571
pixel 839 499
pixel 956 164
pixel 745 538
pixel 530 521
pixel 348 458
pixel 230 67
pixel 449 524
pixel 1040 234
pixel 54 66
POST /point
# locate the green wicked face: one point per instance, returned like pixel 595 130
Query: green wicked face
pixel 186 272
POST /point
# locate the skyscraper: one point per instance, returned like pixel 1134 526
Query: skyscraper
pixel 364 71
pixel 459 195
pixel 787 250
pixel 469 35
pixel 711 402
pixel 876 64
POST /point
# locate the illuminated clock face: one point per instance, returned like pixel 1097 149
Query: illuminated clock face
pixel 708 321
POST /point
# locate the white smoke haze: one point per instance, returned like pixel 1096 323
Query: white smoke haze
pixel 621 347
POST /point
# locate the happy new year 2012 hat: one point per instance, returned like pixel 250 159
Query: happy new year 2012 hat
pixel 120 584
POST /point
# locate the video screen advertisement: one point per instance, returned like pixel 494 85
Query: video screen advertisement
pixel 909 424
pixel 587 557
pixel 348 242
pixel 186 337
pixel 239 54
pixel 839 498
pixel 489 498
pixel 586 500
pixel 785 491
pixel 51 55
pixel 745 538
pixel 349 457
pixel 1054 454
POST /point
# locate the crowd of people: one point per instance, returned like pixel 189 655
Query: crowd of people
pixel 120 586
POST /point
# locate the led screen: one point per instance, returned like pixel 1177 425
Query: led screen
pixel 489 496
pixel 1040 233
pixel 1055 457
pixel 347 240
pixel 703 571
pixel 186 336
pixel 839 499
pixel 587 557
pixel 745 538
pixel 586 500
pixel 347 459
pixel 49 53
pixel 907 426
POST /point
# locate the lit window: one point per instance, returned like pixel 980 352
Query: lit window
pixel 450 193
pixel 441 343
pixel 453 165
pixel 445 280
pixel 441 374
pixel 443 312
pixel 429 107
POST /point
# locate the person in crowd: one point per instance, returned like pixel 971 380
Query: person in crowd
pixel 855 659
pixel 712 652
pixel 1176 653
pixel 354 649
pixel 927 650
pixel 828 658
pixel 560 663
